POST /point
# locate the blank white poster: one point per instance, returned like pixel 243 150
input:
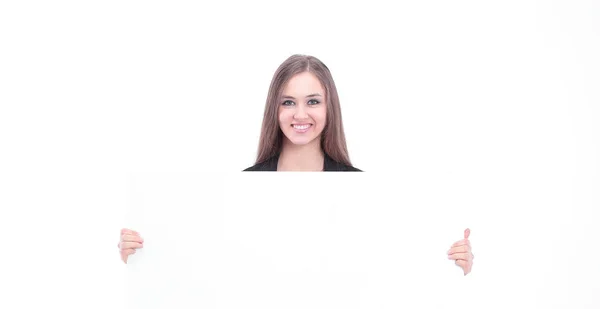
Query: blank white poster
pixel 343 240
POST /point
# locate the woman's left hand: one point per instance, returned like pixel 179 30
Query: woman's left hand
pixel 461 253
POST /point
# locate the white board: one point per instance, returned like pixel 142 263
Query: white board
pixel 291 240
pixel 338 240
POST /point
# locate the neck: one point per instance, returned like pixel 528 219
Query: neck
pixel 307 157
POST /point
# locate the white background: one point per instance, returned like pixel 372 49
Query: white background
pixel 493 106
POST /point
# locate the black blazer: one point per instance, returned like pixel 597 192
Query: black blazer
pixel 329 166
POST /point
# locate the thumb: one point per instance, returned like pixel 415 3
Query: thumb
pixel 467 233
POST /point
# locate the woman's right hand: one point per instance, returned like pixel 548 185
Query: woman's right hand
pixel 130 241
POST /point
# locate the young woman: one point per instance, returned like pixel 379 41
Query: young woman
pixel 302 131
pixel 302 126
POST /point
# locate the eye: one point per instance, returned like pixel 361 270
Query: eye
pixel 313 102
pixel 287 103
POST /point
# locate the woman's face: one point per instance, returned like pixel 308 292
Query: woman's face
pixel 302 109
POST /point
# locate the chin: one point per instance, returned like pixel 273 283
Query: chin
pixel 301 141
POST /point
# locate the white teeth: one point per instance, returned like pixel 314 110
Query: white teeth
pixel 301 127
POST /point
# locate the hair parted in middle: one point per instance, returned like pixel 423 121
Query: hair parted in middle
pixel 333 140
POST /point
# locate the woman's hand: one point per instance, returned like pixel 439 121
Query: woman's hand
pixel 130 241
pixel 461 253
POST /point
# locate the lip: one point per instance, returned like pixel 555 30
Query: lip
pixel 304 129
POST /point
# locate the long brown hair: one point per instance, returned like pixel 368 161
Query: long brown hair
pixel 333 140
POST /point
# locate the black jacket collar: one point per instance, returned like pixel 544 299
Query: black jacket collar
pixel 329 165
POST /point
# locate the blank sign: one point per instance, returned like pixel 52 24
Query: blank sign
pixel 310 240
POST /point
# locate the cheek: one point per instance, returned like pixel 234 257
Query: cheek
pixel 283 117
pixel 321 115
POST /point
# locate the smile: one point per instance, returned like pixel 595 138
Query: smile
pixel 301 127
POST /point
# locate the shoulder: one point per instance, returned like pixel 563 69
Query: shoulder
pixel 253 168
pixel 256 168
pixel 334 166
pixel 347 168
pixel 352 169
pixel 266 166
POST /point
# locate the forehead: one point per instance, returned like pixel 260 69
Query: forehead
pixel 302 84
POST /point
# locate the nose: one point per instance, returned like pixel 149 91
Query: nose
pixel 300 112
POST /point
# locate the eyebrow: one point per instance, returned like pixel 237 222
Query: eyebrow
pixel 308 96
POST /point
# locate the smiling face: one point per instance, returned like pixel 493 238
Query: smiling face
pixel 302 109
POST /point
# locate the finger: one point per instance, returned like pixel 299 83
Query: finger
pixel 467 233
pixel 129 232
pixel 462 263
pixel 468 246
pixel 127 252
pixel 466 266
pixel 460 256
pixel 132 238
pixel 462 242
pixel 130 245
pixel 459 249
